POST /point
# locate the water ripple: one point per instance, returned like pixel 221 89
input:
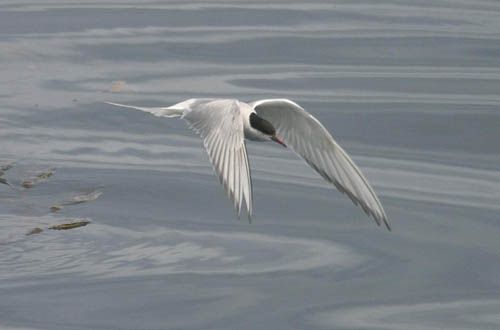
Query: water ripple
pixel 102 251
pixel 459 314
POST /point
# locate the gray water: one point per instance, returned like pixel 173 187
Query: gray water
pixel 409 88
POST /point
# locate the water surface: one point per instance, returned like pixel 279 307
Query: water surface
pixel 409 88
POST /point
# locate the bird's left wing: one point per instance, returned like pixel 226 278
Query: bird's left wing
pixel 220 124
pixel 305 135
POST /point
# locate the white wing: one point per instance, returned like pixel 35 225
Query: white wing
pixel 305 135
pixel 220 124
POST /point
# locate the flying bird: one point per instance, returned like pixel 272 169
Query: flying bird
pixel 223 124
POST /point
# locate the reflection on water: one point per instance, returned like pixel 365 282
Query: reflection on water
pixel 410 89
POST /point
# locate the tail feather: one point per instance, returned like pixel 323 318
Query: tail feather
pixel 172 111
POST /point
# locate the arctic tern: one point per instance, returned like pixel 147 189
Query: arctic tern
pixel 223 124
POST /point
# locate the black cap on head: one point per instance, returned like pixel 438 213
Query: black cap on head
pixel 262 125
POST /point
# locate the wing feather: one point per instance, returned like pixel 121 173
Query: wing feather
pixel 236 184
pixel 247 188
pixel 305 135
pixel 220 124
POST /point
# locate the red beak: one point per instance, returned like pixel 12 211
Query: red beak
pixel 275 139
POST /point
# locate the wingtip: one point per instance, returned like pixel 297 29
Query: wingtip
pixel 387 225
pixel 386 221
pixel 380 219
pixel 383 220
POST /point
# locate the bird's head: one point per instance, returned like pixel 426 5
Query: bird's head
pixel 265 127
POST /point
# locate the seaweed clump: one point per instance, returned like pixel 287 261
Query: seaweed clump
pixel 38 178
pixel 70 225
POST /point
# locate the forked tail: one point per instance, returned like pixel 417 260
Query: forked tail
pixel 173 111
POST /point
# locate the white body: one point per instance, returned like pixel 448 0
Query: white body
pixel 244 108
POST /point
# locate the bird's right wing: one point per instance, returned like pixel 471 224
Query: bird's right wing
pixel 305 135
pixel 220 124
